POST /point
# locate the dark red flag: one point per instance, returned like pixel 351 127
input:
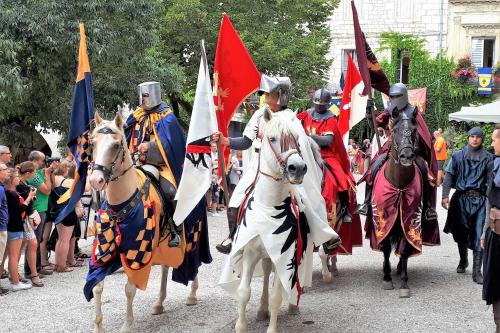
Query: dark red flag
pixel 373 75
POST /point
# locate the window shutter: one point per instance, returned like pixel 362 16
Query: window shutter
pixel 477 52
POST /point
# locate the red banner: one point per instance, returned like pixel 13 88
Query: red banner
pixel 235 74
pixel 418 98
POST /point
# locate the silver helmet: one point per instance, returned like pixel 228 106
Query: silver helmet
pixel 149 94
pixel 280 86
pixel 322 97
pixel 399 97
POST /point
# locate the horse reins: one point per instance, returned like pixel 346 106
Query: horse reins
pixel 108 173
pixel 287 141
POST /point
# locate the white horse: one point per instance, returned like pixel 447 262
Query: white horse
pixel 271 228
pixel 115 172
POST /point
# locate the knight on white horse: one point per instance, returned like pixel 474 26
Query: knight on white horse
pixel 280 219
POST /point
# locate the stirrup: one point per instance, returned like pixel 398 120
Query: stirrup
pixel 362 209
pixel 175 240
pixel 225 249
pixel 344 215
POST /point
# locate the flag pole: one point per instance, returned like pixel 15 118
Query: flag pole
pixel 371 105
pixel 219 147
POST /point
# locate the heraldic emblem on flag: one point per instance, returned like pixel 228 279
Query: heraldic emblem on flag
pixel 82 113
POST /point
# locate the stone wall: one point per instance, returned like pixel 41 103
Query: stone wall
pixel 472 18
pixel 418 17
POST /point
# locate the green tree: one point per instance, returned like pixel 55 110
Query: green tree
pixel 284 37
pixel 38 58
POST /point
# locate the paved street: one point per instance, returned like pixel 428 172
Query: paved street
pixel 442 301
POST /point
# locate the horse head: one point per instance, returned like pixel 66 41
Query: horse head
pixel 280 147
pixel 404 135
pixel 109 151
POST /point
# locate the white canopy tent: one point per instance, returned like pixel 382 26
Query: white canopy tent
pixel 487 113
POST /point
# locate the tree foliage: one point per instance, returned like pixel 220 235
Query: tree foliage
pixel 284 37
pixel 38 58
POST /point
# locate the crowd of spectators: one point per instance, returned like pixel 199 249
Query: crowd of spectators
pixel 29 207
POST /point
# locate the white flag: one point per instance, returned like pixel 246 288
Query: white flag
pixel 196 175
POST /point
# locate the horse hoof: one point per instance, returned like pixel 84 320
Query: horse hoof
pixel 262 315
pixel 293 310
pixel 191 301
pixel 404 293
pixel 158 309
pixel 327 278
pixel 240 328
pixel 387 285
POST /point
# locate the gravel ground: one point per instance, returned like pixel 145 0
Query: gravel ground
pixel 441 301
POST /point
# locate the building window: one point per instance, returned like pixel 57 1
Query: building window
pixel 483 51
pixel 403 69
pixel 345 59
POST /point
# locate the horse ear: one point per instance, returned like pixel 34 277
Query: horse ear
pixel 268 115
pixel 97 118
pixel 119 120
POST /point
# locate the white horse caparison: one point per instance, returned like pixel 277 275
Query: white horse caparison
pixel 108 147
pixel 278 168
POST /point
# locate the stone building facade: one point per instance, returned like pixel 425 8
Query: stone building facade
pixel 474 30
pixel 425 18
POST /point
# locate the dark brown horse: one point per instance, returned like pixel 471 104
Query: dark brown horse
pixel 397 200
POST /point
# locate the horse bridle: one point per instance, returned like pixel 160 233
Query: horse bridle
pixel 288 144
pixel 406 142
pixel 108 173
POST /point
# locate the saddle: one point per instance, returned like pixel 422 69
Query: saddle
pixel 167 225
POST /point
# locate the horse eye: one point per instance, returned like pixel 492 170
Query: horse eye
pixel 116 145
pixel 272 139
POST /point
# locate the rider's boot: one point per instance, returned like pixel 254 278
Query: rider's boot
pixel 430 214
pixel 332 244
pixel 175 231
pixel 366 205
pixel 464 261
pixel 363 208
pixel 344 213
pixel 476 267
pixel 226 245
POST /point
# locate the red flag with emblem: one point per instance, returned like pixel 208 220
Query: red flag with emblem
pixel 235 74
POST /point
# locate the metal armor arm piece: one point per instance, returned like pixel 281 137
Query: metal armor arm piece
pixel 241 143
pixel 323 140
pixel 153 156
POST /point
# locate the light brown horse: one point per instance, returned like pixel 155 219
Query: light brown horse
pixel 114 171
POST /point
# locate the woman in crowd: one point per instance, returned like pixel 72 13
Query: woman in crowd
pixel 20 197
pixel 235 170
pixel 65 244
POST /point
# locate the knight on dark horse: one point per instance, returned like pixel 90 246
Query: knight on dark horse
pixel 425 158
pixel 398 186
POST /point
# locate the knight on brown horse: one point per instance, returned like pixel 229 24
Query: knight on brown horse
pixel 399 191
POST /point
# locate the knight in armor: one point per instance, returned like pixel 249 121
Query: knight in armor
pixel 156 140
pixel 321 125
pixel 277 91
pixel 490 241
pixel 468 172
pixel 425 161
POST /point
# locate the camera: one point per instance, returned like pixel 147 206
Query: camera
pixel 32 189
pixel 49 160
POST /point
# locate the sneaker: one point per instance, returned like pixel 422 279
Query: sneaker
pixel 20 286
